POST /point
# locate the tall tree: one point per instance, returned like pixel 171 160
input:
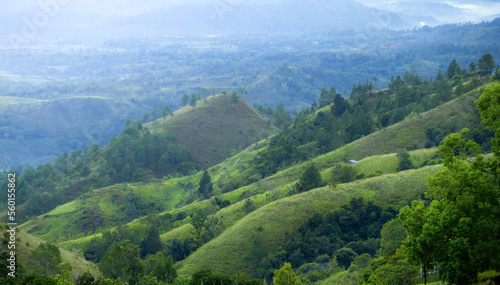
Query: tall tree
pixel 472 66
pixel 114 264
pixel 46 258
pixel 326 98
pixel 205 187
pixel 185 99
pixel 453 69
pixel 310 179
pixel 486 62
pixel 122 260
pixel 151 243
pixel 459 230
pixel 286 276
pixel 281 118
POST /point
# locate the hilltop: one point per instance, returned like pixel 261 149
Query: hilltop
pixel 216 127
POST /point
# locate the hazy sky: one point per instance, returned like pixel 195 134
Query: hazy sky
pixel 105 17
pixel 474 10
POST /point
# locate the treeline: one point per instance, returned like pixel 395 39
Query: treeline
pixel 334 121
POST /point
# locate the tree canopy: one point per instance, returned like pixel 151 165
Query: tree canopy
pixel 459 230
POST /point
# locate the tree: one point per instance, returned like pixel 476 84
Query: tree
pixel 205 187
pixel 286 276
pixel 326 98
pixel 404 161
pixel 472 67
pixel 114 264
pixel 179 249
pixel 46 259
pixel 392 236
pixel 166 111
pixel 185 99
pixel 122 260
pixel 346 173
pixel 310 179
pixel 151 243
pixel 453 69
pixel 281 118
pixel 194 98
pixel 235 97
pixel 486 62
pixel 162 267
pixel 459 230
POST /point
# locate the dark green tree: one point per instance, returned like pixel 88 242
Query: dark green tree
pixel 281 118
pixel 151 243
pixel 453 69
pixel 345 173
pixel 472 67
pixel 166 111
pixel 162 267
pixel 45 259
pixel 114 264
pixel 235 97
pixel 404 161
pixel 326 98
pixel 310 179
pixel 205 187
pixel 340 105
pixel 122 260
pixel 486 62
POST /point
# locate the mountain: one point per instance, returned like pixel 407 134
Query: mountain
pixel 202 18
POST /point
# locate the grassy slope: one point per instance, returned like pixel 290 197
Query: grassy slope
pixel 287 214
pixel 277 186
pixel 217 126
pixel 384 141
pixel 27 242
pixel 267 191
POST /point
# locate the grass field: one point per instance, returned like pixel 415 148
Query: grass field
pixel 273 220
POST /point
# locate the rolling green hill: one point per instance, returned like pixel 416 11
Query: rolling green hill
pixel 217 126
pixel 106 205
pixel 172 194
pixel 278 209
pixel 26 242
pixel 271 222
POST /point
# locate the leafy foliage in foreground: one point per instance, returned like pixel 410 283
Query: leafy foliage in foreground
pixel 459 230
pixel 352 230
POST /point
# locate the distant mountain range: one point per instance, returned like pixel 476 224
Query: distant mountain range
pixel 222 18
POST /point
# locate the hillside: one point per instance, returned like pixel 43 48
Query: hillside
pixel 36 131
pixel 171 195
pixel 247 213
pixel 98 208
pixel 217 126
pixel 26 242
pixel 272 221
